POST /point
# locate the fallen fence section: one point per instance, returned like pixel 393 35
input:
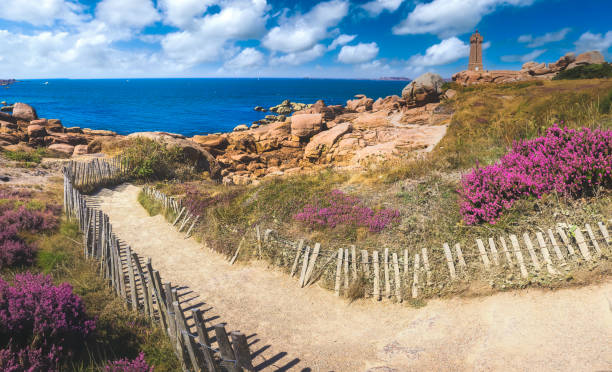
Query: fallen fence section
pixel 134 279
pixel 421 271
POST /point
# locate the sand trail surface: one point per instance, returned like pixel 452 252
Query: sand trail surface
pixel 310 329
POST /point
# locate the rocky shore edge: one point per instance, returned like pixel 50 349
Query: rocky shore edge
pixel 295 137
pixel 299 137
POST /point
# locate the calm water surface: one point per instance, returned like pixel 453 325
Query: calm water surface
pixel 186 106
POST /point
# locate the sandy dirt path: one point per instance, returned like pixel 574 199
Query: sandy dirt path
pixel 310 329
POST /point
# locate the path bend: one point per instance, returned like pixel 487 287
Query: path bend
pixel 311 329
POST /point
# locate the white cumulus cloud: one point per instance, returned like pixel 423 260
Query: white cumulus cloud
pixel 447 51
pixel 589 41
pixel 447 18
pixel 182 13
pixel 375 7
pixel 42 12
pixel 549 37
pixel 359 53
pixel 298 58
pixel 212 36
pixel 129 14
pixel 248 58
pixel 303 32
pixel 341 40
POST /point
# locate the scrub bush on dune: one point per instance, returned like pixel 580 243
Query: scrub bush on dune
pixel 567 161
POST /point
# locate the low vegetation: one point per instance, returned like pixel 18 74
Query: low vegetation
pixel 56 313
pixel 595 71
pixel 570 162
pixel 426 190
pixel 152 160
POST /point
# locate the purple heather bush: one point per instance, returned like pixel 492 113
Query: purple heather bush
pixel 337 208
pixel 39 323
pixel 567 161
pixel 17 215
pixel 125 365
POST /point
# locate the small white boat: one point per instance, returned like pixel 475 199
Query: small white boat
pixel 46 83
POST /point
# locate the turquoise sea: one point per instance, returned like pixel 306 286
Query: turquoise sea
pixel 186 106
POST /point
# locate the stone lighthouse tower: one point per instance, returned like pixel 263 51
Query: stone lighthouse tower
pixel 475 63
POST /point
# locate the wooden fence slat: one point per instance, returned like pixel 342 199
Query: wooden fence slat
pixel 483 254
pixel 204 340
pixel 566 241
pixel 506 252
pixel 425 259
pixel 376 275
pixel 532 253
pixel 406 269
pixel 462 263
pixel 386 268
pixel 346 268
pixel 241 350
pixel 593 238
pixel 582 245
pixel 519 255
pixel 311 265
pixel 304 267
pixel 143 284
pixel 170 313
pixel 338 271
pixel 131 276
pixel 365 262
pixel 398 282
pixel 449 261
pixel 297 257
pixel 354 262
pixel 184 331
pixel 493 252
pixel 546 254
pixel 558 253
pixel 415 278
pixel 225 349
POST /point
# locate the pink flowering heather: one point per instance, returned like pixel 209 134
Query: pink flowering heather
pixel 337 208
pixel 15 217
pixel 40 322
pixel 125 365
pixel 568 161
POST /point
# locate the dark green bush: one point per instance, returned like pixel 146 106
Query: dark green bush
pixel 597 71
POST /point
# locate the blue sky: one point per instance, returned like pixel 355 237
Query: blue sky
pixel 281 38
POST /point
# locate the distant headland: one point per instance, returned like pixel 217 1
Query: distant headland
pixel 4 82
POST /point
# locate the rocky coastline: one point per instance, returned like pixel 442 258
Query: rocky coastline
pixel 294 137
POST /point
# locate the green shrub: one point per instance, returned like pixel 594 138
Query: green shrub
pixel 152 160
pixel 597 71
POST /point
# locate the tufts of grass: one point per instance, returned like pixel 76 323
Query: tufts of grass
pixel 152 208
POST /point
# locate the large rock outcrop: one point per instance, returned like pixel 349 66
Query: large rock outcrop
pixel 424 89
pixel 306 125
pixel 23 111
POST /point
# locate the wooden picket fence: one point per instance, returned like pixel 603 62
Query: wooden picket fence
pixel 389 274
pixel 134 279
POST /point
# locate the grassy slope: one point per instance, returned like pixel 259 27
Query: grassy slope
pixel 486 121
pixel 119 333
